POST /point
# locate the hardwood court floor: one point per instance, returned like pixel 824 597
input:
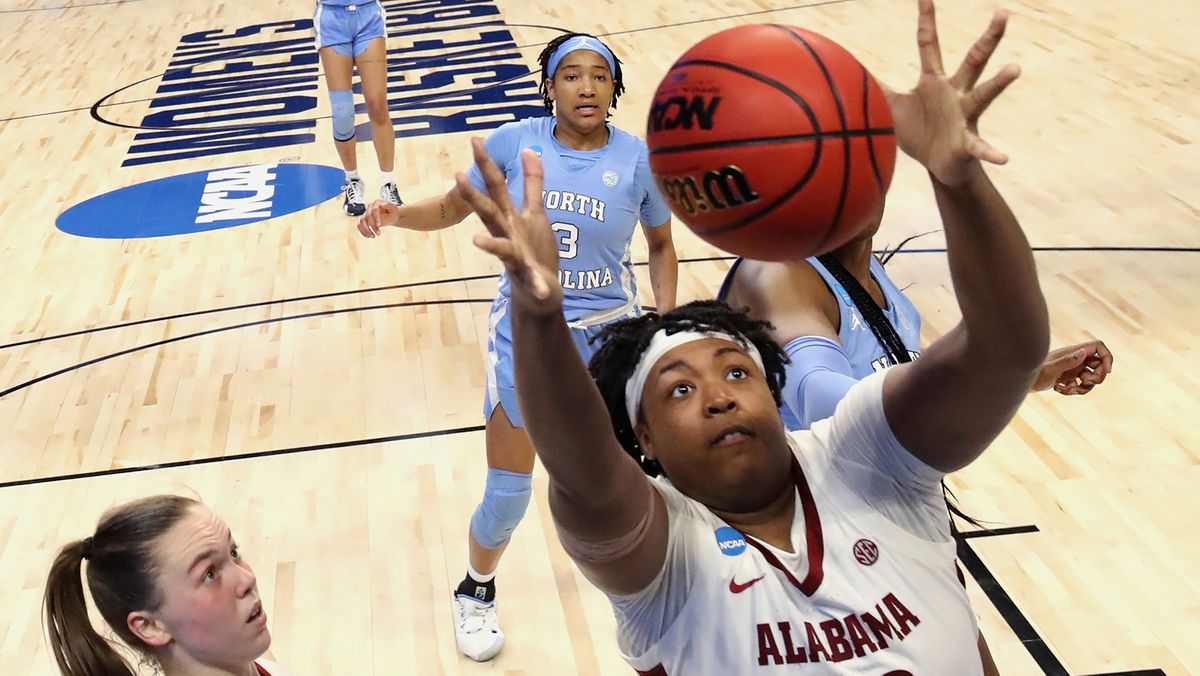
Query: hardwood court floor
pixel 328 406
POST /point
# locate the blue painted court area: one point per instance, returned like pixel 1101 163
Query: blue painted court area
pixel 202 201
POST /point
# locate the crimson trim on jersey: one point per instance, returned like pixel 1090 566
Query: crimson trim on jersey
pixel 656 671
pixel 261 670
pixel 814 539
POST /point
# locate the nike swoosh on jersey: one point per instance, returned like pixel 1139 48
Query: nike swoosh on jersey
pixel 739 588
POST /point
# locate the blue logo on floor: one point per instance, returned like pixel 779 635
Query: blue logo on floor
pixel 202 200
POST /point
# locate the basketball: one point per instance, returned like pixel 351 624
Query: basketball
pixel 771 142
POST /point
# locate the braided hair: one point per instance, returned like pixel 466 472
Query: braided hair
pixel 624 342
pixel 544 61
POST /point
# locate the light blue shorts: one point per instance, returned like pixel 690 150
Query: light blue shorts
pixel 349 29
pixel 501 379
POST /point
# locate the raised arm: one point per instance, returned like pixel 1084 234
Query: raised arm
pixel 947 407
pixel 598 494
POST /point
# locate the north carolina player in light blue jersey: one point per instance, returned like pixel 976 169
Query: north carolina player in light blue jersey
pixel 830 344
pixel 817 360
pixel 348 34
pixel 597 188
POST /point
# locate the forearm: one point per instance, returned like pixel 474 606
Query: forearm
pixel 433 213
pixel 948 407
pixel 995 278
pixel 664 276
pixel 564 415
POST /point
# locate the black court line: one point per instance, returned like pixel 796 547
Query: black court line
pixel 993 532
pixel 451 280
pixel 232 327
pixel 1016 620
pixel 1012 615
pixel 243 306
pixel 241 456
pixel 50 9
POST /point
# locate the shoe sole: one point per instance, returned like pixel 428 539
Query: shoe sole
pixel 487 656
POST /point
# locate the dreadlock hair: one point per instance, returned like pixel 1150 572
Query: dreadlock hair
pixel 624 342
pixel 544 60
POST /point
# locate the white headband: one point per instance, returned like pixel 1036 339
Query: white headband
pixel 662 343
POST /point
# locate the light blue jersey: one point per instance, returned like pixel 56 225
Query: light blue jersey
pixel 837 367
pixel 862 348
pixel 594 199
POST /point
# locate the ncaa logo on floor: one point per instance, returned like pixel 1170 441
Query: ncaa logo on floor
pixel 201 201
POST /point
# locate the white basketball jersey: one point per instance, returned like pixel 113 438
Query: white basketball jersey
pixel 861 595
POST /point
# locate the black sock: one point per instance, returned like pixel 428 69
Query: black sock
pixel 484 591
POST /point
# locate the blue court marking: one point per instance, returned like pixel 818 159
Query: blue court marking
pixel 417 102
pixel 202 200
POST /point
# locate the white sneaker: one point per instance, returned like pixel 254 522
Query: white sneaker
pixel 477 629
pixel 389 192
pixel 355 203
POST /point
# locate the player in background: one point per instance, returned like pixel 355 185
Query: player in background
pixel 351 34
pixel 598 187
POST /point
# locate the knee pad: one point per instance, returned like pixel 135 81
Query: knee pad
pixel 342 103
pixel 504 502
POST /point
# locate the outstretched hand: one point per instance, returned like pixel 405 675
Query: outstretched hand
pixel 521 238
pixel 937 121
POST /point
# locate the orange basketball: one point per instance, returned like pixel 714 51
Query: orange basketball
pixel 771 142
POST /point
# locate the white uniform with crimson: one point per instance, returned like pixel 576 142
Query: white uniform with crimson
pixel 872 587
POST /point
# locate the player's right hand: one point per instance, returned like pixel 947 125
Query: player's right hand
pixel 379 214
pixel 520 238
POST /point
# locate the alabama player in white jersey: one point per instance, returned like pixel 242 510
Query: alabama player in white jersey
pixel 756 550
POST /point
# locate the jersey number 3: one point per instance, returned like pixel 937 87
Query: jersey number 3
pixel 568 235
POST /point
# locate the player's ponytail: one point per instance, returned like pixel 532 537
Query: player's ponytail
pixel 122 577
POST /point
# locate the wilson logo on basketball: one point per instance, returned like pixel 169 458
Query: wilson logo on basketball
pixel 866 552
pixel 723 188
pixel 682 112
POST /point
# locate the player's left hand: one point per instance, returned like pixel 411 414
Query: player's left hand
pixel 937 122
pixel 1075 369
pixel 521 238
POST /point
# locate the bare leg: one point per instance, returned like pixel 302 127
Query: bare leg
pixel 372 70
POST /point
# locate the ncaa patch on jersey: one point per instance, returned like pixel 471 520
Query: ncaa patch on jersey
pixel 202 201
pixel 729 541
pixel 610 178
